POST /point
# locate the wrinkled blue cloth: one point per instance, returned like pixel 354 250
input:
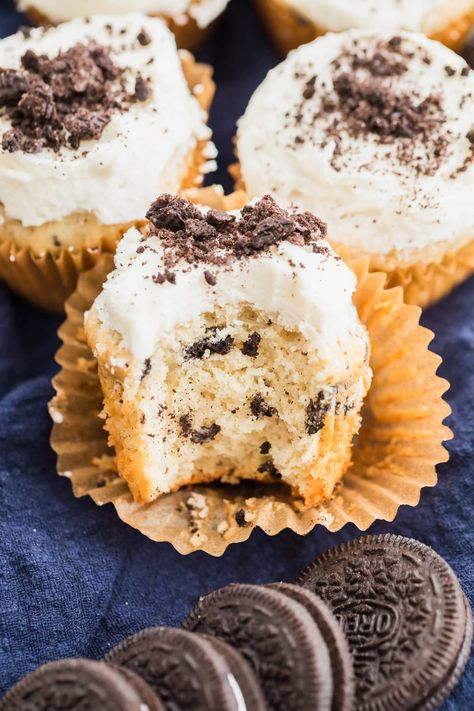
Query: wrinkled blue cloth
pixel 74 580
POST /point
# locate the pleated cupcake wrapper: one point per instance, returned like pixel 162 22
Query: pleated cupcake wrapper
pixel 49 279
pixel 394 455
pixel 289 28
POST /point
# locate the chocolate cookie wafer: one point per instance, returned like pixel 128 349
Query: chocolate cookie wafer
pixel 185 670
pixel 76 684
pixel 338 648
pixel 277 636
pixel 404 615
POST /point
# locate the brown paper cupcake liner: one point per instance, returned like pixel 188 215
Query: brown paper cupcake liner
pixel 188 34
pixel 394 456
pixel 424 284
pixel 48 279
pixel 289 29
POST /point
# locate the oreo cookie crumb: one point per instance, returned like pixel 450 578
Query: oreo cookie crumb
pixel 260 408
pixel 59 102
pixel 268 467
pixel 240 518
pixel 210 278
pixel 146 368
pixel 199 349
pixel 143 38
pixel 250 347
pixel 316 411
pixel 265 447
pixel 200 435
pixel 189 235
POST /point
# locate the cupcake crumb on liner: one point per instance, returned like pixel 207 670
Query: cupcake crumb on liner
pixel 49 278
pixel 289 29
pixel 394 455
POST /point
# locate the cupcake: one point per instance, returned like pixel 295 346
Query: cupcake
pixel 294 22
pixel 97 118
pixel 375 133
pixel 190 20
pixel 228 348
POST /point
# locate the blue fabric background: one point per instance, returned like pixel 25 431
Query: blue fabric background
pixel 74 580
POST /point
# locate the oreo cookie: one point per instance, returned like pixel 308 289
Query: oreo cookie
pixel 404 614
pixel 183 669
pixel 338 648
pixel 247 687
pixel 76 684
pixel 278 638
pixel 150 700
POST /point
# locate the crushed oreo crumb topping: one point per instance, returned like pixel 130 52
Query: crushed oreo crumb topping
pixel 218 238
pixel 265 447
pixel 365 100
pixel 200 435
pixel 259 408
pixel 250 347
pixel 143 37
pixel 146 367
pixel 58 102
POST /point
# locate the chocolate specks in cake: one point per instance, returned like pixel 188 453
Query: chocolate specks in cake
pixel 209 345
pixel 240 518
pixel 269 467
pixel 250 347
pixel 199 435
pixel 146 368
pixel 309 88
pixel 143 37
pixel 260 408
pixel 265 447
pixel 316 411
pixel 61 101
pixel 470 136
pixel 194 236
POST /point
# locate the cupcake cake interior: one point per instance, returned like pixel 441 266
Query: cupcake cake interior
pixel 229 349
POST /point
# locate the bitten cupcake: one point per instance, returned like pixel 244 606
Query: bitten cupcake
pixel 375 133
pixel 190 20
pixel 294 22
pixel 228 349
pixel 97 118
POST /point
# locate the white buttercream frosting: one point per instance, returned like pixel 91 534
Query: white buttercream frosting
pixel 301 152
pixel 301 289
pixel 203 11
pixel 413 15
pixel 142 152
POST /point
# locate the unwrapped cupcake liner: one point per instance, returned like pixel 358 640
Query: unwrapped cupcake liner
pixel 394 455
pixel 48 279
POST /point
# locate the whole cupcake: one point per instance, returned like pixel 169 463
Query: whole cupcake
pixel 97 117
pixel 228 349
pixel 295 22
pixel 190 20
pixel 375 133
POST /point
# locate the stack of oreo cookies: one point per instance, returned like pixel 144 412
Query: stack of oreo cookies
pixel 377 623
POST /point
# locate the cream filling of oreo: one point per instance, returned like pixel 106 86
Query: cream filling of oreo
pixel 142 152
pixel 413 15
pixel 389 197
pixel 300 289
pixel 236 690
pixel 203 11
